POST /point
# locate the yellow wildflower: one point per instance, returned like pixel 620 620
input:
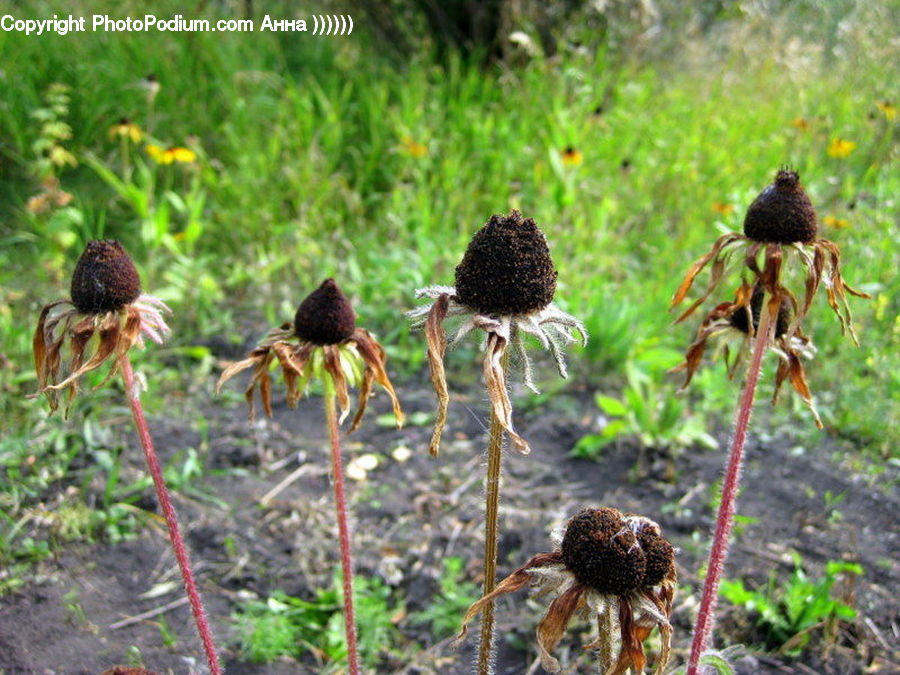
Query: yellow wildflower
pixel 571 157
pixel 125 128
pixel 837 223
pixel 840 148
pixel 888 109
pixel 414 149
pixel 723 208
pixel 170 155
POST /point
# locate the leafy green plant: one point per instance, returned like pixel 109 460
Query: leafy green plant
pixel 788 614
pixel 284 625
pixel 445 608
pixel 648 410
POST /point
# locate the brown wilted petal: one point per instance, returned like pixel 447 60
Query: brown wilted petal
pixel 518 579
pixel 719 254
pixel 374 357
pixel 495 383
pixel 436 339
pixel 551 628
pixel 110 330
pixel 334 367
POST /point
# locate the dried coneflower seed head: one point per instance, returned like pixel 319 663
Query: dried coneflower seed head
pixel 506 268
pixel 325 317
pixel 782 213
pixel 660 557
pixel 105 279
pixel 738 320
pixel 603 552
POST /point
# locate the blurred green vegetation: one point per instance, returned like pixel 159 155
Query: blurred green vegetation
pixel 333 157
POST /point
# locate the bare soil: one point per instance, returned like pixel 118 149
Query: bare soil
pixel 409 516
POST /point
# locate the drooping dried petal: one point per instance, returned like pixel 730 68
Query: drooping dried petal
pixel 105 279
pixel 495 383
pixel 325 317
pixel 551 628
pixel 506 268
pixel 518 579
pixel 719 255
pixel 374 357
pixel 436 339
pixel 334 368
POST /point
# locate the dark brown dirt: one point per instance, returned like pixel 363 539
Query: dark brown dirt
pixel 411 515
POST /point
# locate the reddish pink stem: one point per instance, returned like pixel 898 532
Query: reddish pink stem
pixel 725 519
pixel 340 501
pixel 165 503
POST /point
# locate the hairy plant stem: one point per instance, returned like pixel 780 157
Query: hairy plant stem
pixel 165 503
pixel 340 501
pixel 725 519
pixel 491 536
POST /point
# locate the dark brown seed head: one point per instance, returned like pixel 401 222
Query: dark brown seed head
pixel 105 279
pixel 506 268
pixel 738 320
pixel 659 552
pixel 782 213
pixel 325 317
pixel 603 552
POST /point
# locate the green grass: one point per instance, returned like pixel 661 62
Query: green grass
pixel 305 172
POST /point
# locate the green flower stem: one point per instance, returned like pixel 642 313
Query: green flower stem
pixel 340 500
pixel 165 504
pixel 725 519
pixel 491 536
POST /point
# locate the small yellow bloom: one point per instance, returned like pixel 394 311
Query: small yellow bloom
pixel 125 128
pixel 170 155
pixel 840 148
pixel 571 157
pixel 723 208
pixel 800 123
pixel 888 109
pixel 414 149
pixel 837 223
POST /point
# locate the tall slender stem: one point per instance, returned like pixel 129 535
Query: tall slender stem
pixel 165 503
pixel 340 501
pixel 725 518
pixel 491 536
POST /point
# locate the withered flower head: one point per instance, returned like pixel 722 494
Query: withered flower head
pixel 504 286
pixel 323 342
pixel 106 301
pixel 780 228
pixel 325 317
pixel 782 213
pixel 105 279
pixel 731 321
pixel 610 568
pixel 506 268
